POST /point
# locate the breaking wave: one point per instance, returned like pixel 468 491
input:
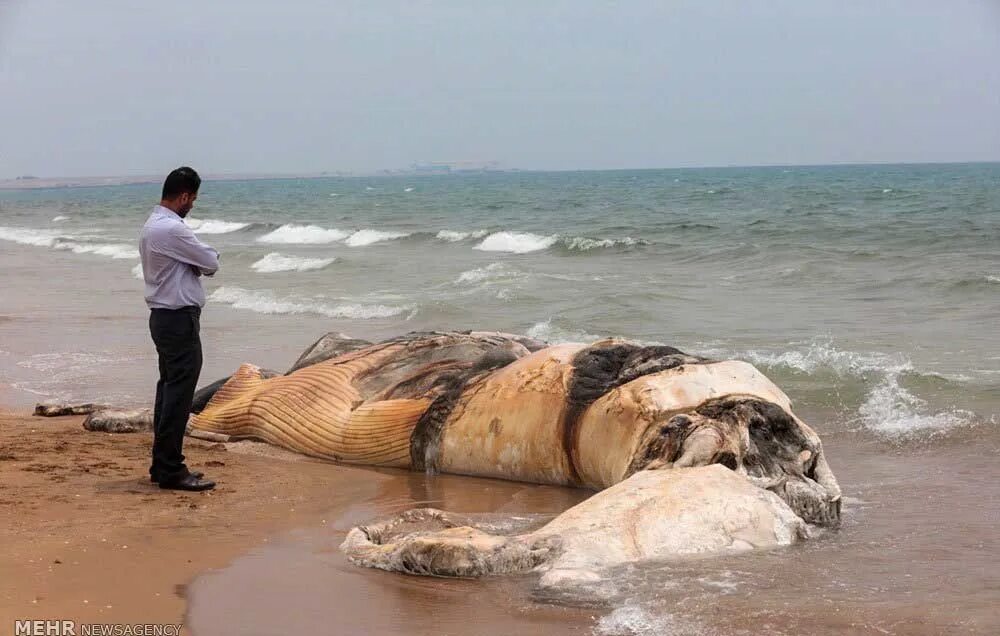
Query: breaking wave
pixel 50 239
pixel 28 236
pixel 265 302
pixel 362 238
pixel 59 218
pixel 492 272
pixel 516 242
pixel 584 244
pixel 303 235
pixel 454 237
pixel 556 334
pixel 113 250
pixel 524 242
pixel 213 226
pixel 275 262
pixel 889 408
pixel 315 235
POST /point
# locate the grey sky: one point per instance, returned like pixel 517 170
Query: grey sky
pixel 115 87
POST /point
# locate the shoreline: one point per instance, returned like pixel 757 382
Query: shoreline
pixel 90 539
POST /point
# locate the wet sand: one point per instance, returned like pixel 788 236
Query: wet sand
pixel 86 536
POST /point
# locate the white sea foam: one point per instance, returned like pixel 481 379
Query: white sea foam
pixel 48 238
pixel 113 250
pixel 497 279
pixel 407 189
pixel 137 272
pixel 889 408
pixel 303 234
pixel 822 354
pixel 993 279
pixel 584 244
pixel 60 218
pixel 214 226
pixel 555 334
pixel 275 262
pixel 492 272
pixel 634 620
pixel 892 410
pixel 29 236
pixel 265 302
pixel 454 237
pixel 516 242
pixel 362 238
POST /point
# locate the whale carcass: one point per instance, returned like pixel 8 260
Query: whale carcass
pixel 593 415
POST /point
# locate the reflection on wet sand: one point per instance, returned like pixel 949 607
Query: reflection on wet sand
pixel 301 583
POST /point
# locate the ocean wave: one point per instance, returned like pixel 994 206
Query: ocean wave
pixel 454 237
pixel 516 242
pixel 275 262
pixel 492 272
pixel 822 354
pixel 303 234
pixel 362 238
pixel 556 334
pixel 113 250
pixel 265 302
pixel 888 407
pixel 583 244
pixel 975 283
pixel 53 240
pixel 525 242
pixel 29 236
pixel 59 218
pixel 137 272
pixel 214 226
pixel 892 410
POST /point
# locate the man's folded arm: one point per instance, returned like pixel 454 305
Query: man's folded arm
pixel 184 246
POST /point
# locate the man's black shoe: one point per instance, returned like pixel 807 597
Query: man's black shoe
pixel 188 482
pixel 196 473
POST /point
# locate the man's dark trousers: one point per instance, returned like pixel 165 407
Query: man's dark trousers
pixel 176 334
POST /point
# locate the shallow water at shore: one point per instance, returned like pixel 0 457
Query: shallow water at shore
pixel 916 555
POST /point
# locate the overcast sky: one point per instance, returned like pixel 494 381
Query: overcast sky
pixel 115 88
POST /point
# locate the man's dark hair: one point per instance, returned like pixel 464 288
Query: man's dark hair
pixel 180 181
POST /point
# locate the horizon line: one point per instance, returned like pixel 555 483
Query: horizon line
pixel 28 182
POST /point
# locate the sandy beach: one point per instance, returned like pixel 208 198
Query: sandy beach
pixel 89 538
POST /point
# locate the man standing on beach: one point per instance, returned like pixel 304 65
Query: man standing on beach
pixel 173 260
